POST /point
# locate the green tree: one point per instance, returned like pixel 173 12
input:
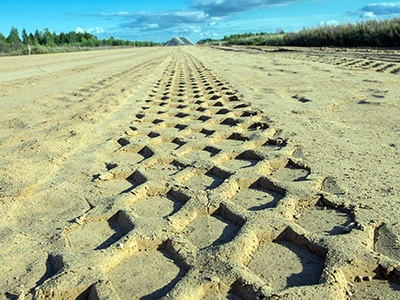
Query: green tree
pixel 49 38
pixel 4 48
pixel 25 37
pixel 13 39
pixel 32 40
pixel 39 37
pixel 110 41
pixel 72 37
pixel 62 39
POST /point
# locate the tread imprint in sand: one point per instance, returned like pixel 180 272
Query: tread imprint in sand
pixel 382 61
pixel 215 205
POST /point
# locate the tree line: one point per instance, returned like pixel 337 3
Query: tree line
pixel 45 42
pixel 372 33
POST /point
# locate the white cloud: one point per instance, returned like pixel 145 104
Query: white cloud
pixel 79 30
pixel 329 23
pixel 147 20
pixel 188 30
pixel 332 23
pixel 153 26
pixel 210 34
pixel 202 12
pixel 114 14
pixel 94 31
pixel 202 17
pixel 369 14
pixel 374 10
pixel 228 7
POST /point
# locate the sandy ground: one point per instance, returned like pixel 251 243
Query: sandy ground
pixel 200 173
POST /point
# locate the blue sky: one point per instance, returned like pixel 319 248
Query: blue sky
pixel 161 20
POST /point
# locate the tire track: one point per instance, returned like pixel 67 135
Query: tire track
pixel 208 200
pixel 353 63
pixel 88 102
pixel 52 147
pixel 383 63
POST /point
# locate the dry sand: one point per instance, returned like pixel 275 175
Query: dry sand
pixel 200 173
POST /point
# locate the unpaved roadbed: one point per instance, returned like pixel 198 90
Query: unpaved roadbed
pixel 149 175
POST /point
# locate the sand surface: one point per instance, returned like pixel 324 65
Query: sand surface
pixel 200 173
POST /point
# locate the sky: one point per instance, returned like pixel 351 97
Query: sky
pixel 161 20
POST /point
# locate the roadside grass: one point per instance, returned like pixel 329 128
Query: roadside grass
pixel 372 33
pixel 60 49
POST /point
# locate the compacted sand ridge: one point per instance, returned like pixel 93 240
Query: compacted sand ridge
pixel 200 173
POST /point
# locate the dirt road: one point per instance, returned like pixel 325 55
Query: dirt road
pixel 200 173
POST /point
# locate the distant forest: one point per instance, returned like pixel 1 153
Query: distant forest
pixel 45 41
pixel 372 33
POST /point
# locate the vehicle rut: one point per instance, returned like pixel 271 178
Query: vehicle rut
pixel 207 200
